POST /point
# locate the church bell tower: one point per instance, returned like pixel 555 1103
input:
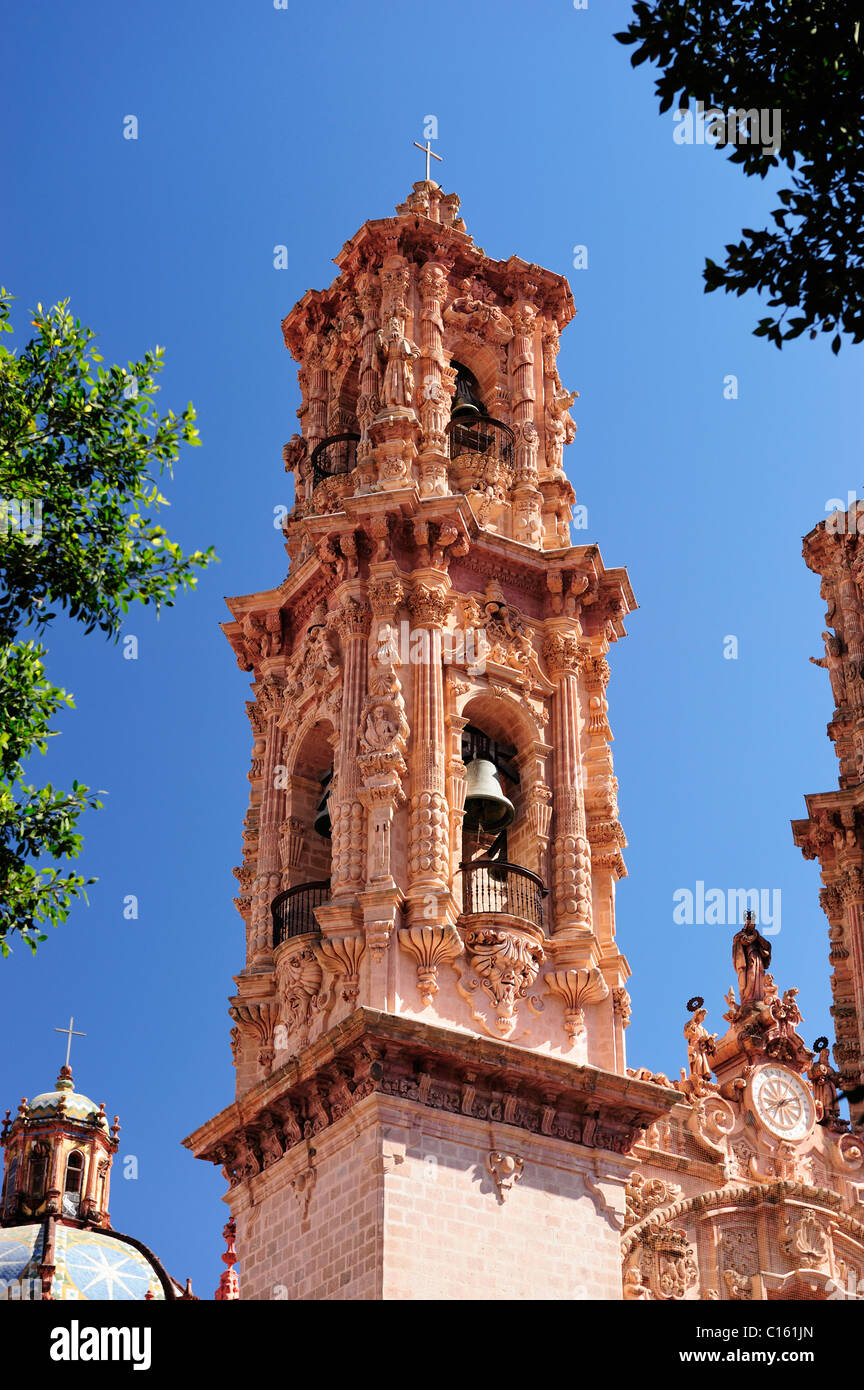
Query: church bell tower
pixel 432 1096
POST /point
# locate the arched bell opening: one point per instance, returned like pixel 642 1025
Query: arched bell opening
pixel 305 834
pixel 498 845
pixel 472 430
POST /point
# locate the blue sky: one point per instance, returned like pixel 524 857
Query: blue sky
pixel 260 127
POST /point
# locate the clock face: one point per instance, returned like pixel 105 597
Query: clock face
pixel 782 1102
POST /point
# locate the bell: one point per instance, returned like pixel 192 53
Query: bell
pixel 321 823
pixel 467 406
pixel 485 802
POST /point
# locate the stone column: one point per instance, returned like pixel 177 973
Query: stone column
pixel 429 840
pixel 270 812
pixel 434 398
pixel 571 853
pixel 369 398
pixel 351 620
pixel 527 499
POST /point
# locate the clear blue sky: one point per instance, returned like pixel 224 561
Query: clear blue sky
pixel 260 127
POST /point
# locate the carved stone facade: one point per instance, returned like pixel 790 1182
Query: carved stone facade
pixel 431 1016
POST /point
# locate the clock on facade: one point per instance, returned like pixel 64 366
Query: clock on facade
pixel 782 1102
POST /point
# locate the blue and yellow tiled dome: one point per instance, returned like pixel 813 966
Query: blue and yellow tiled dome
pixel 68 1102
pixel 88 1264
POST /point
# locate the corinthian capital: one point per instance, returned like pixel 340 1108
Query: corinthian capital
pixel 351 619
pixel 563 653
pixel 428 607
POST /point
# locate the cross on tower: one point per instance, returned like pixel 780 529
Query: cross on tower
pixel 72 1033
pixel 430 154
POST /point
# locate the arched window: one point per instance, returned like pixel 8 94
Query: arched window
pixel 38 1171
pixel 72 1184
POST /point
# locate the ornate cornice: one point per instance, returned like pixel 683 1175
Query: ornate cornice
pixel 372 1052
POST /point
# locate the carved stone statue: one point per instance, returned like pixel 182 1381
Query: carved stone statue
pixel 823 1078
pixel 381 727
pixel 832 662
pixel 398 385
pixel 751 956
pixel 700 1045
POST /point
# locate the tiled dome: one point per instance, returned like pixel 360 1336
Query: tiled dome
pixel 65 1101
pixel 92 1265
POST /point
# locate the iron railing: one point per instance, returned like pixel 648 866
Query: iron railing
pixel 334 455
pixel 292 910
pixel 492 885
pixel 481 436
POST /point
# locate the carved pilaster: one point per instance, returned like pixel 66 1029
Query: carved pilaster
pixel 522 349
pixel 571 852
pixel 429 848
pixel 348 818
pixel 435 397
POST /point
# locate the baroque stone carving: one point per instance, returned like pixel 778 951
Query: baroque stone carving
pixel 577 988
pixel 644 1195
pixel 341 955
pixel 300 977
pixel 430 947
pixel 503 964
pixel 258 1019
pixel 506 1169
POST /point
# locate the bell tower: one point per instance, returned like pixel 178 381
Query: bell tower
pixel 429 1024
pixel 833 831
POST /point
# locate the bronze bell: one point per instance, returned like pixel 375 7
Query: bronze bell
pixel 321 823
pixel 485 802
pixel 467 405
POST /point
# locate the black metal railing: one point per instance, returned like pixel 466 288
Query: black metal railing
pixel 334 455
pixel 292 910
pixel 481 436
pixel 492 885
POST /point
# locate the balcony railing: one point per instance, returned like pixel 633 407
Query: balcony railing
pixel 492 885
pixel 292 910
pixel 334 455
pixel 481 436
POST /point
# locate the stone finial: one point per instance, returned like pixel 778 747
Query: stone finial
pixel 229 1287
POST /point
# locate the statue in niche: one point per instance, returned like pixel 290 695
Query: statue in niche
pixel 399 353
pixel 832 662
pixel 751 956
